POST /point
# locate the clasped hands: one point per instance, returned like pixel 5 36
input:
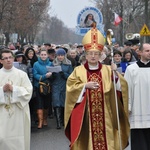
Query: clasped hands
pixel 92 85
pixel 7 87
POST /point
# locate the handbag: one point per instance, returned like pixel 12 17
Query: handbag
pixel 44 87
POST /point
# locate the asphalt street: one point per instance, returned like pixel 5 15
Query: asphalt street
pixel 49 138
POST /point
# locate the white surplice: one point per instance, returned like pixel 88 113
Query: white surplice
pixel 14 110
pixel 139 95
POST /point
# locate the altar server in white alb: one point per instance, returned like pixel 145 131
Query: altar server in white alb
pixel 15 93
pixel 138 78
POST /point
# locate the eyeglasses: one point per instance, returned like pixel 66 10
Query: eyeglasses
pixel 92 53
pixel 6 58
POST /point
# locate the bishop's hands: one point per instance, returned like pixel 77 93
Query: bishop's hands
pixel 113 67
pixel 92 85
pixel 7 87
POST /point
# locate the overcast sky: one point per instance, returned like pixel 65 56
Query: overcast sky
pixel 68 10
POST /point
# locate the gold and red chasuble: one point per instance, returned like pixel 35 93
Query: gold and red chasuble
pixel 96 110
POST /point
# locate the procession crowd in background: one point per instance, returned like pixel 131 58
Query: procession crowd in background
pixel 34 59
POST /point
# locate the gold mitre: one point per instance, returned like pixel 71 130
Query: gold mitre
pixel 93 40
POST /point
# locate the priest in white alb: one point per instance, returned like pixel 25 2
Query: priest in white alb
pixel 15 93
pixel 138 78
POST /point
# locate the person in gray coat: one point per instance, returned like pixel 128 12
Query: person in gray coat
pixel 59 85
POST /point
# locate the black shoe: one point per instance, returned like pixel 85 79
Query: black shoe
pixel 51 116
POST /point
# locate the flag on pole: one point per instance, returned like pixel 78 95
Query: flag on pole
pixel 118 19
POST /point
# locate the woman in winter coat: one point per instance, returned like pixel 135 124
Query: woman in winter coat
pixel 40 74
pixel 59 85
pixel 31 59
pixel 21 59
pixel 31 55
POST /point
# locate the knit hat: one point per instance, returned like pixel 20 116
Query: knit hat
pixel 19 53
pixel 60 51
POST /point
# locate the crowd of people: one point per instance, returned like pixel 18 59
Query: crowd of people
pixel 82 96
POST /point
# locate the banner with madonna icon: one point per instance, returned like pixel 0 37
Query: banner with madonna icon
pixel 87 18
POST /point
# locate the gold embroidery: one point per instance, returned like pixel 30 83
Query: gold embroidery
pixel 97 115
pixel 7 106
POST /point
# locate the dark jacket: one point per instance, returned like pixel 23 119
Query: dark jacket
pixel 59 82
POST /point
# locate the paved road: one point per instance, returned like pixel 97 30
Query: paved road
pixel 49 138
